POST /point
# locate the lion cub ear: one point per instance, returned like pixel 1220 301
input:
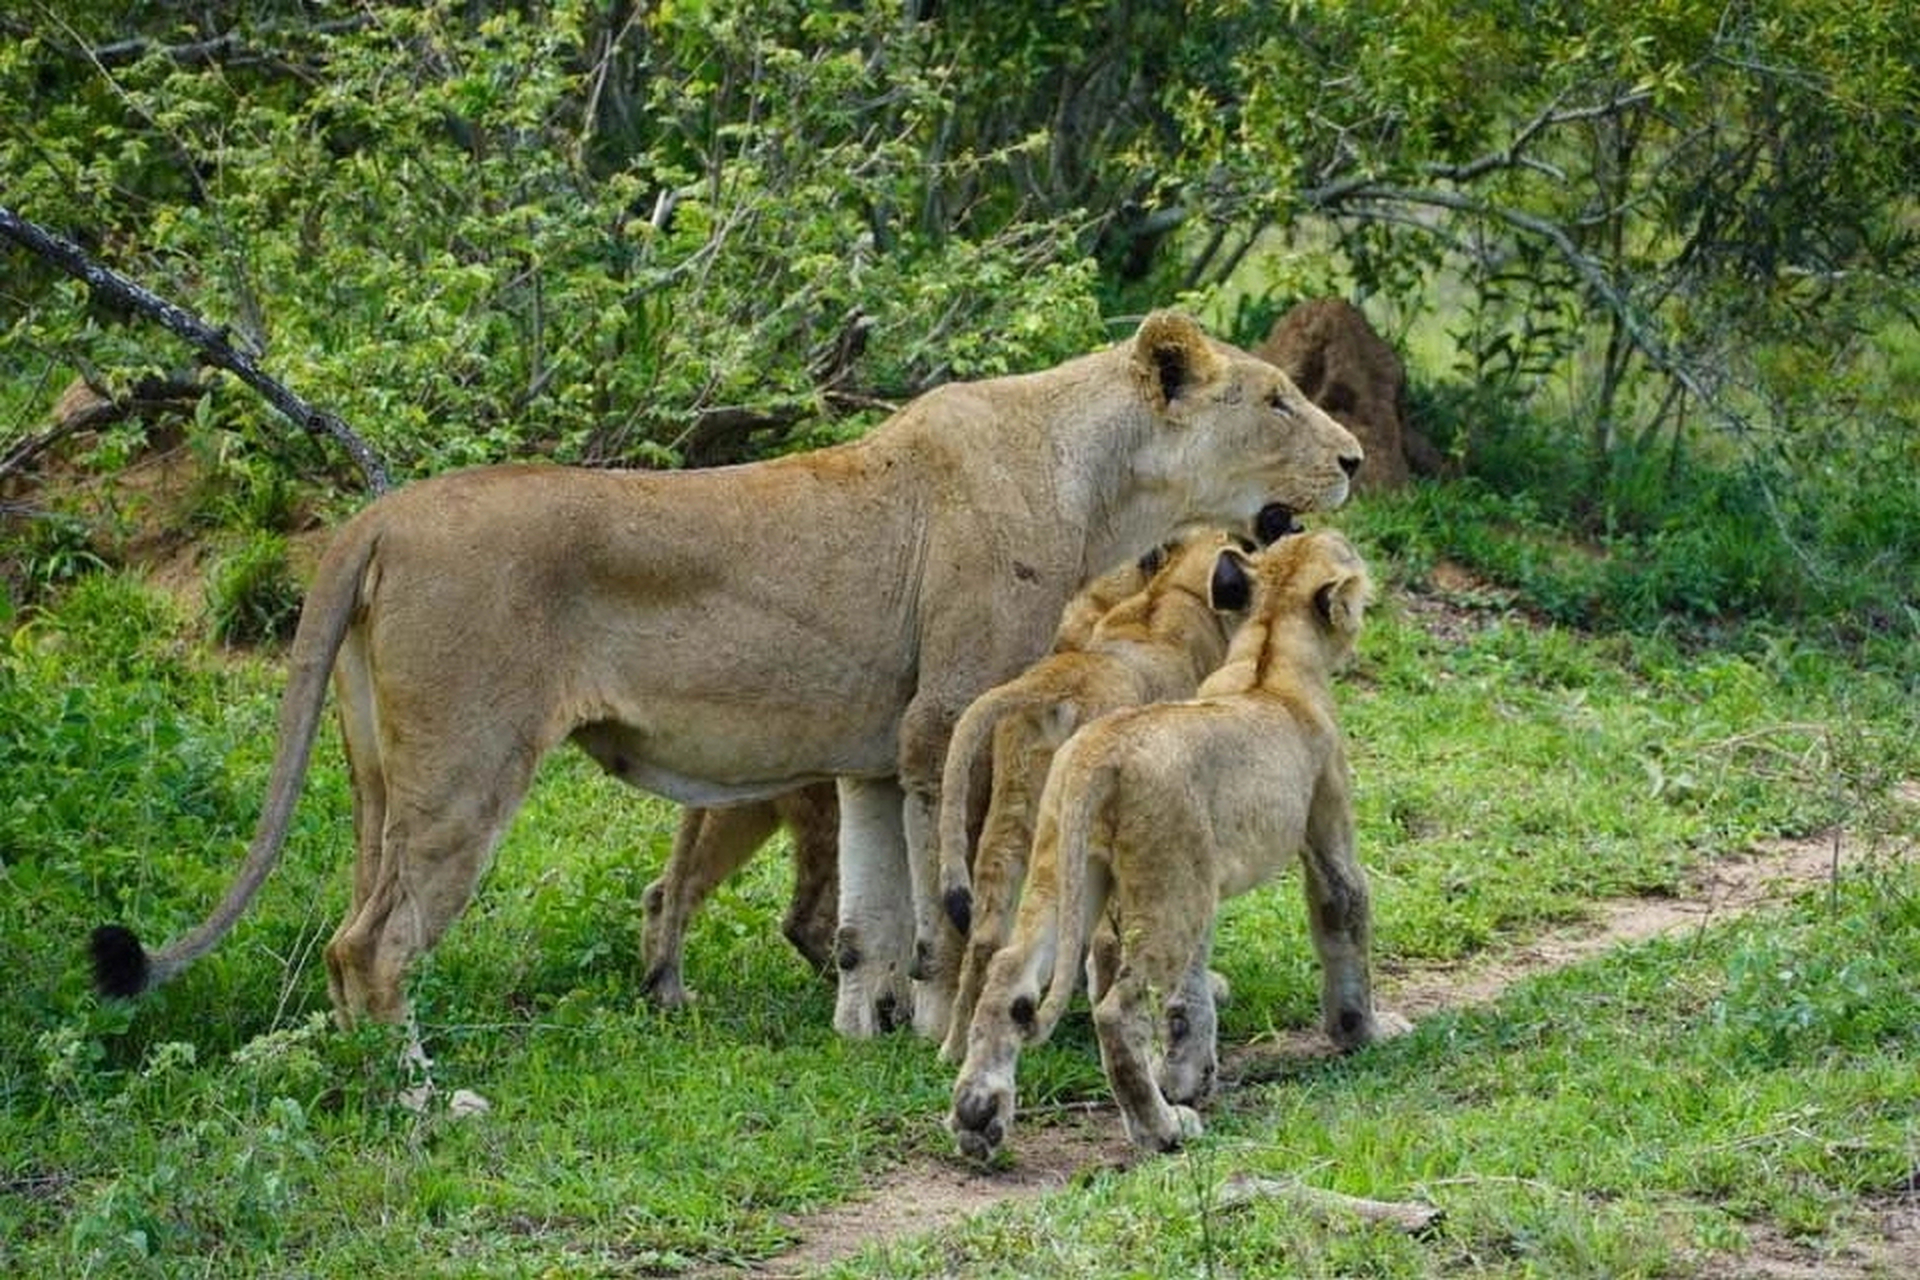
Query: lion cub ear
pixel 1152 561
pixel 1341 601
pixel 1171 356
pixel 1230 590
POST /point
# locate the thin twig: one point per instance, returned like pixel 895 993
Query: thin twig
pixel 211 343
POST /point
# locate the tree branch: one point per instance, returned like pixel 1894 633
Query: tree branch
pixel 82 408
pixel 211 343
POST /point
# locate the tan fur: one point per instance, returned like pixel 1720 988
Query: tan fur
pixel 1154 645
pixel 713 843
pixel 1149 818
pixel 1337 359
pixel 728 634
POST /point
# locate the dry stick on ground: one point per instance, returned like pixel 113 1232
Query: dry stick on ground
pixel 1411 1217
pixel 211 343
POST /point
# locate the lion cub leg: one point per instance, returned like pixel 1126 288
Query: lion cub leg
pixel 999 870
pixel 812 818
pixel 709 846
pixel 1340 917
pixel 1004 1018
pixel 1193 1025
pixel 1162 944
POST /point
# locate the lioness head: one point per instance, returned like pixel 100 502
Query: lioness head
pixel 1239 434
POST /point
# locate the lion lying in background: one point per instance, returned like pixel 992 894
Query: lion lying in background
pixel 1155 645
pixel 1150 817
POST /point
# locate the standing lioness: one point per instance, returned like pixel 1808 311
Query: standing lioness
pixel 728 634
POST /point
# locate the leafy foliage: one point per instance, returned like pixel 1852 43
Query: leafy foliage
pixel 575 231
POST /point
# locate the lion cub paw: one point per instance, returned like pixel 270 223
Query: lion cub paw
pixel 1186 1127
pixel 981 1117
pixel 1379 1025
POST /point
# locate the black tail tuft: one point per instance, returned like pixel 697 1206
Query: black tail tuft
pixel 119 962
pixel 959 904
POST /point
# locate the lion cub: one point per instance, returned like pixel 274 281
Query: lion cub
pixel 1154 645
pixel 1150 817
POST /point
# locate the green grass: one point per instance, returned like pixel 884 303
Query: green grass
pixel 1626 1117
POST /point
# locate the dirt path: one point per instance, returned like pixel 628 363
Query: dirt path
pixel 929 1193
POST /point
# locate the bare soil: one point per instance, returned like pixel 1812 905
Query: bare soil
pixel 927 1194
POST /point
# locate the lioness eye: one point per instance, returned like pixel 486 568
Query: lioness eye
pixel 1279 401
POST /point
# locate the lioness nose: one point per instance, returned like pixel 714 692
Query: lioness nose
pixel 1350 463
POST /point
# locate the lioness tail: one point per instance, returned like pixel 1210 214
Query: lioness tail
pixel 121 966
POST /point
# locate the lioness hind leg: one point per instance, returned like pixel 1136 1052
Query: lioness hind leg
pixel 709 846
pixel 353 697
pixel 433 851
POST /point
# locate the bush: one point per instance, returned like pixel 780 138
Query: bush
pixel 252 594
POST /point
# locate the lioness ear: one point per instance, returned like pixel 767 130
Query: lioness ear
pixel 1230 590
pixel 1171 357
pixel 1342 601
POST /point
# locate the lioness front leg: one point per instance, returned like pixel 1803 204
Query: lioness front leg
pixel 1340 917
pixel 925 732
pixel 873 946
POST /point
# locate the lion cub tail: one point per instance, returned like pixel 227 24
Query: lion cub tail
pixel 972 739
pixel 1080 785
pixel 122 967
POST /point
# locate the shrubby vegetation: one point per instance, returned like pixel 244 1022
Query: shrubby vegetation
pixel 1677 238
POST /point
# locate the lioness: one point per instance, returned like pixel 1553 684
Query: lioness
pixel 1150 816
pixel 728 634
pixel 1153 646
pixel 713 843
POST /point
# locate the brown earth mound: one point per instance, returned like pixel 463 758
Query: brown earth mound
pixel 1330 351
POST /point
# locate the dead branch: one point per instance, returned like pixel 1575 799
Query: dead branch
pixel 83 408
pixel 1330 1207
pixel 211 343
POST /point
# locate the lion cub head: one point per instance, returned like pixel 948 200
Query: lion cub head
pixel 1304 597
